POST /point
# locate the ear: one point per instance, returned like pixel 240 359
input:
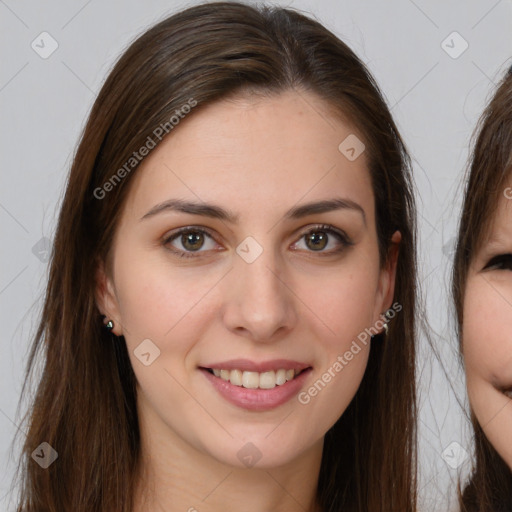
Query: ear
pixel 106 299
pixel 386 286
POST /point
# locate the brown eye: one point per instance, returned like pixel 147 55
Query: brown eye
pixel 184 242
pixel 317 240
pixel 322 237
pixel 192 241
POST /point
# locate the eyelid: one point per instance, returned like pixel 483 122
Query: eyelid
pixel 497 260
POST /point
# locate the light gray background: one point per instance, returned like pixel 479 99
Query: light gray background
pixel 435 99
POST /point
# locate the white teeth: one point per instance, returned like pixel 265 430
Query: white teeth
pixel 254 380
pixel 236 377
pixel 250 380
pixel 268 380
pixel 280 377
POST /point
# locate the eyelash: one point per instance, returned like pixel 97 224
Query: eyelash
pixel 500 262
pixel 326 228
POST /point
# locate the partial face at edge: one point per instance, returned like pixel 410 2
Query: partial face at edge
pixel 307 297
pixel 487 332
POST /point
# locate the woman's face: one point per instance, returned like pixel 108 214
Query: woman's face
pixel 487 332
pixel 256 289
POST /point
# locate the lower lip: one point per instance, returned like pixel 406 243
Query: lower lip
pixel 257 399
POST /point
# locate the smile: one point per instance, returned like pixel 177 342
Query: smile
pixel 257 387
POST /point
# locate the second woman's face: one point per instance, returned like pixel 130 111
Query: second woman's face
pixel 245 271
pixel 487 332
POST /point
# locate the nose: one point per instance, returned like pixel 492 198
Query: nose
pixel 259 304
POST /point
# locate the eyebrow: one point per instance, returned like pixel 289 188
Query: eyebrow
pixel 217 212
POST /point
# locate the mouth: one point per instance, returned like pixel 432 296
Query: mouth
pixel 256 380
pixel 257 387
pixel 508 393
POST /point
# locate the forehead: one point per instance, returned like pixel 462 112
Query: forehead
pixel 256 152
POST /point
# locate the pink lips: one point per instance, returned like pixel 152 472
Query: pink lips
pixel 258 399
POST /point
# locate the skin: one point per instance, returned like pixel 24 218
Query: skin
pixel 258 157
pixel 487 342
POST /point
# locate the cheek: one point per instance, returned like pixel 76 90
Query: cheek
pixel 487 342
pixel 487 346
pixel 342 296
pixel 339 316
pixel 343 357
pixel 346 304
pixel 161 302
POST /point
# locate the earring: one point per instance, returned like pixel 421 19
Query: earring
pixel 386 326
pixel 109 325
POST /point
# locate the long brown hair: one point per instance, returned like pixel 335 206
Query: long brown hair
pixel 490 486
pixel 85 405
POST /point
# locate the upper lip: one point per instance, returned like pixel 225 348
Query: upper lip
pixel 260 367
